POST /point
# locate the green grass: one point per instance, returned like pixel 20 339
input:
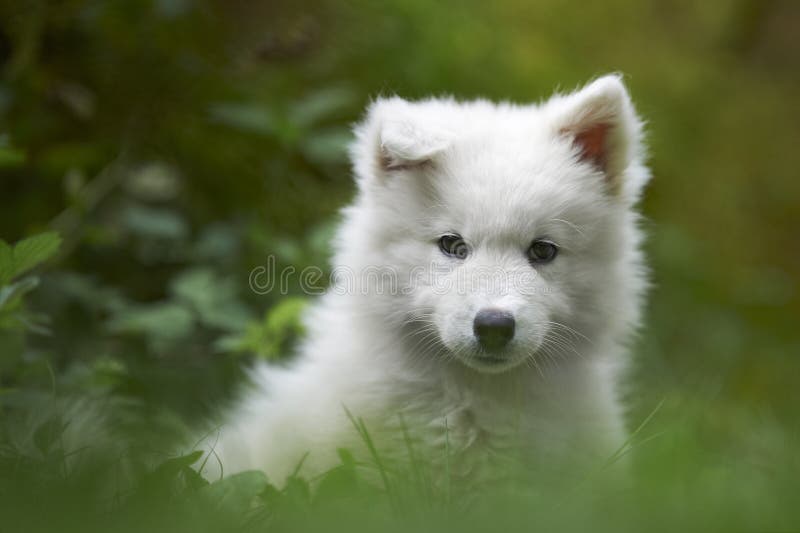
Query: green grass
pixel 671 480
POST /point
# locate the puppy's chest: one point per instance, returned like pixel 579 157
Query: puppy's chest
pixel 469 441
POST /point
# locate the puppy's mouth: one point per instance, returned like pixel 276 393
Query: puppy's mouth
pixel 492 362
pixel 491 359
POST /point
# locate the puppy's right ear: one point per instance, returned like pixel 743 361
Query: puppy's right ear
pixel 600 122
pixel 395 137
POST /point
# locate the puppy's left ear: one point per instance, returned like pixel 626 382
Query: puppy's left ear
pixel 601 123
pixel 396 136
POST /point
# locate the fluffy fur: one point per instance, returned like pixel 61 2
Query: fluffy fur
pixel 500 175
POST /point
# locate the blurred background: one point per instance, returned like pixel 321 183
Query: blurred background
pixel 174 144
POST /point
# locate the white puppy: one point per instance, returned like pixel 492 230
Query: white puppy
pixel 488 278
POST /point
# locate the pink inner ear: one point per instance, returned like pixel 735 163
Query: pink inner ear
pixel 389 164
pixel 593 144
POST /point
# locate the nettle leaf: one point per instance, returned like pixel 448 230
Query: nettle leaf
pixel 271 337
pixel 340 481
pixel 213 298
pixel 173 465
pixel 155 223
pixel 163 321
pixel 328 145
pixel 12 294
pixel 321 105
pixel 247 117
pixel 175 473
pixel 38 323
pixel 238 492
pixel 298 491
pixel 26 254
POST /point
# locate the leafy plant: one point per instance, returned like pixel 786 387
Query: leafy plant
pixel 15 261
pixel 271 337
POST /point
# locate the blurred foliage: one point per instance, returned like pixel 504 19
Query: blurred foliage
pixel 174 144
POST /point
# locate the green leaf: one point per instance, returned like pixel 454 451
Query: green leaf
pixel 340 481
pixel 298 491
pixel 173 470
pixel 34 250
pixel 272 337
pixel 285 317
pixel 13 293
pixel 214 299
pixel 238 492
pixel 247 117
pixel 161 321
pixel 328 146
pixel 321 105
pixel 175 464
pixel 155 223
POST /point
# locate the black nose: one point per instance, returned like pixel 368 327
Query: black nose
pixel 493 328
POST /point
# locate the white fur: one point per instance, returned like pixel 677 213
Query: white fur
pixel 500 175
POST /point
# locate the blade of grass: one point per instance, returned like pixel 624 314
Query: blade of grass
pixel 623 449
pixel 446 464
pixel 420 480
pixel 361 428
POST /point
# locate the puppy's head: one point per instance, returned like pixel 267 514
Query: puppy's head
pixel 510 228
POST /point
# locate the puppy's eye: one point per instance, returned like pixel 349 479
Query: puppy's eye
pixel 542 251
pixel 454 246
